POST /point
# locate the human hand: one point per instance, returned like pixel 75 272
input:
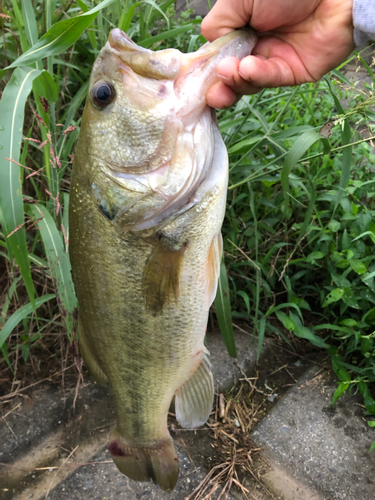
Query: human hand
pixel 299 41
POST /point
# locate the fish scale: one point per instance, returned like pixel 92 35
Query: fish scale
pixel 148 195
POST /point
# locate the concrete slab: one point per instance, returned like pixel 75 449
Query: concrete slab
pixel 102 480
pixel 324 449
pixel 226 370
pixel 47 447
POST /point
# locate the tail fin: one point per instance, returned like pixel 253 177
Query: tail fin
pixel 157 462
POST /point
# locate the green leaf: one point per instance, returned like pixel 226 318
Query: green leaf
pixel 20 314
pixel 367 396
pixel 46 83
pixel 59 37
pixel 349 298
pixel 372 447
pixel 357 265
pixel 341 388
pixel 246 299
pixel 306 333
pixel 303 304
pixel 273 309
pixel 285 320
pixel 12 107
pixel 59 265
pixel 224 312
pixel 341 372
pixel 371 423
pixel 366 233
pixel 299 148
pixel 334 225
pixel 340 281
pixel 245 144
pixel 333 296
pixel 349 322
pixel 315 256
pixel 327 326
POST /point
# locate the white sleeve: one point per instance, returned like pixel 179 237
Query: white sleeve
pixel 363 21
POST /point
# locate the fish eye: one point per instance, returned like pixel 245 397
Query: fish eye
pixel 103 94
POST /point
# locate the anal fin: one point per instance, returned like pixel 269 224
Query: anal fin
pixel 195 398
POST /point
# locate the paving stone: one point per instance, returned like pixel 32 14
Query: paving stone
pixel 200 7
pixel 324 448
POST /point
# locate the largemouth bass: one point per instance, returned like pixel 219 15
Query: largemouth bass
pixel 148 194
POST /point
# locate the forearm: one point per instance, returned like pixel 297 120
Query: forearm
pixel 363 21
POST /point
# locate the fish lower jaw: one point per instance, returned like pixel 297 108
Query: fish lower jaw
pixel 155 462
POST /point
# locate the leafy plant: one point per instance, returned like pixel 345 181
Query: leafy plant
pixel 299 233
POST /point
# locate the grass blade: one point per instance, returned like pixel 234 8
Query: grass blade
pixel 30 22
pixel 165 35
pixel 126 17
pixel 224 312
pixel 20 25
pixel 8 298
pixel 19 315
pixel 157 8
pixel 346 135
pixel 262 329
pixel 59 37
pixel 12 107
pixel 59 265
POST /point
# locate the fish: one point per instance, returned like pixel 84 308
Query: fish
pixel 147 202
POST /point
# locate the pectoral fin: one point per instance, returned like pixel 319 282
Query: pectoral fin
pixel 213 268
pixel 161 276
pixel 194 399
pixel 89 358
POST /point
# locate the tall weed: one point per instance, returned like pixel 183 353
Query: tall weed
pixel 299 233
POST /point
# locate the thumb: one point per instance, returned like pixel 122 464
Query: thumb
pixel 225 17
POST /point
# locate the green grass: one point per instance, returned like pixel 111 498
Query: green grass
pixel 299 235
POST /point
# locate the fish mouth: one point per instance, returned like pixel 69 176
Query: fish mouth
pixel 169 64
pixel 120 41
pixel 161 65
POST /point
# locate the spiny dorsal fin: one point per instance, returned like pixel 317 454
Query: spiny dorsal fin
pixel 161 276
pixel 213 268
pixel 194 399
